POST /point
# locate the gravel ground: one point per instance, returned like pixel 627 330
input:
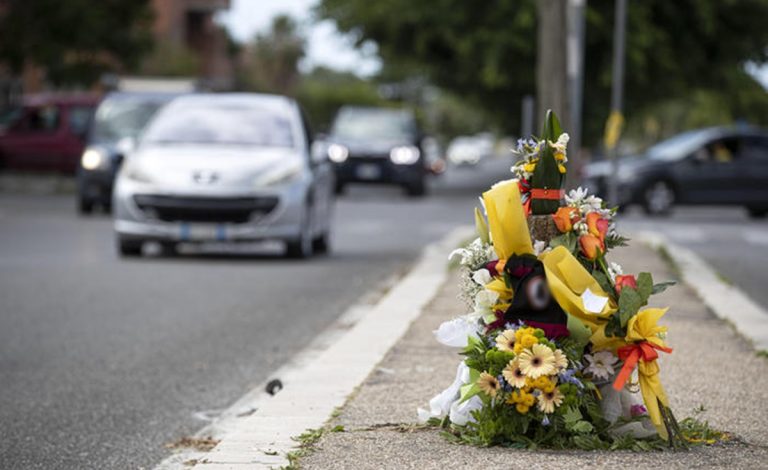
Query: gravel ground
pixel 711 366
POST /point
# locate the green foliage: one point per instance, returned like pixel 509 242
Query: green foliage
pixel 568 239
pixel 322 92
pixel 690 52
pixel 75 40
pixel 546 175
pixel 171 60
pixel 271 64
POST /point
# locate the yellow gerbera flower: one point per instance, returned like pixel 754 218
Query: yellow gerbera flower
pixel 537 361
pixel 488 384
pixel 513 374
pixel 561 361
pixel 550 400
pixel 506 341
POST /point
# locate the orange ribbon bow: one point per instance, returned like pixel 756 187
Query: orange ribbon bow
pixel 631 354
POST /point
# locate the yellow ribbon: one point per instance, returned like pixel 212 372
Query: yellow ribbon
pixel 506 220
pixel 644 327
pixel 568 280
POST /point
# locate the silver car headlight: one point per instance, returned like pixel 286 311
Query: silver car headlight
pixel 94 159
pixel 337 153
pixel 404 155
pixel 135 173
pixel 282 175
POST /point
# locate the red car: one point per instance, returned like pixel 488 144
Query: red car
pixel 47 132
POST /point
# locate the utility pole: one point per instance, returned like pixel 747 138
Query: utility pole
pixel 616 119
pixel 551 73
pixel 575 66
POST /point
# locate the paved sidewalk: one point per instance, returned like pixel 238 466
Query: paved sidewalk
pixel 711 366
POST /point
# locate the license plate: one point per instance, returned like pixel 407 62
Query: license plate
pixel 368 172
pixel 193 232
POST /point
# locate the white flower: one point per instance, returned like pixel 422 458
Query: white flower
pixel 614 269
pixel 539 247
pixel 574 196
pixel 484 301
pixel 482 276
pixel 456 332
pixel 601 364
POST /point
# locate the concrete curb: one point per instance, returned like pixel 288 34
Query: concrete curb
pixel 727 302
pixel 315 388
pixel 37 183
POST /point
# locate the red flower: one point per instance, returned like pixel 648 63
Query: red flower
pixel 597 225
pixel 627 280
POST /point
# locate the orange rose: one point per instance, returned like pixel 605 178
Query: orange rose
pixel 591 246
pixel 597 225
pixel 565 217
pixel 627 280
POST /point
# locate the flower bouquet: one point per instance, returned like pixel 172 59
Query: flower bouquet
pixel 560 349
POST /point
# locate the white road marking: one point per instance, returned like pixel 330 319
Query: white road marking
pixel 321 377
pixel 726 301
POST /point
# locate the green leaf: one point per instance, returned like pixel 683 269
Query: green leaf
pixel 662 286
pixel 644 286
pixel 629 303
pixel 481 226
pixel 579 332
pixel 552 128
pixel 582 427
pixel 572 416
pixel 602 279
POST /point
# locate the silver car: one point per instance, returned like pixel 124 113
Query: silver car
pixel 225 167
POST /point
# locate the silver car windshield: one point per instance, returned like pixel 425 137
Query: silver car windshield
pixel 221 124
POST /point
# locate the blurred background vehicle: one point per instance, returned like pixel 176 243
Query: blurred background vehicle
pixel 116 125
pixel 47 132
pixel 377 145
pixel 225 167
pixel 717 166
pixel 470 150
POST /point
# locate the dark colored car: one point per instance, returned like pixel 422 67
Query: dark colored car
pixel 48 132
pixel 118 121
pixel 377 145
pixel 720 165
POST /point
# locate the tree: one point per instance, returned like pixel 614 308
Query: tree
pixel 271 61
pixel 486 51
pixel 75 40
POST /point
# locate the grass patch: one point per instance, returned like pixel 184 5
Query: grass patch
pixel 307 441
pixel 763 353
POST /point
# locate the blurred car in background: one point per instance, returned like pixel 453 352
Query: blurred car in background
pixel 377 145
pixel 47 132
pixel 116 125
pixel 225 167
pixel 720 165
pixel 470 150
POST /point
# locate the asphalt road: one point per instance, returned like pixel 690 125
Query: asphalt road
pixel 103 360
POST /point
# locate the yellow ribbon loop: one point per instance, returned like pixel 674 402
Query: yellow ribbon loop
pixel 568 280
pixel 506 220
